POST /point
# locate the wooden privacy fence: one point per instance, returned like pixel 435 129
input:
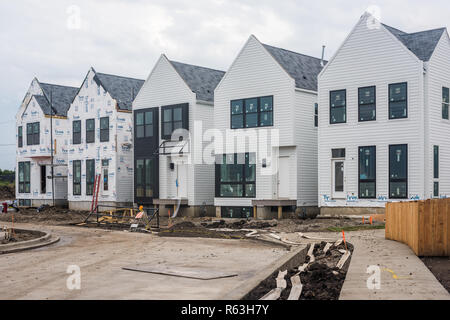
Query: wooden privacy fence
pixel 423 225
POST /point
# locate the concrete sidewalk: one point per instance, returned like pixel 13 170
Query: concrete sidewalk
pixel 403 274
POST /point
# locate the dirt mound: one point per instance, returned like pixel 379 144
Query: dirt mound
pixel 320 283
pixel 47 216
pixel 189 229
pixel 241 224
pixel 22 235
pixel 7 193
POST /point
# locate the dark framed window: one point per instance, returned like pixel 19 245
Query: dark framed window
pixel 90 176
pixel 436 162
pixel 105 179
pixel 20 136
pixel 104 129
pixel 252 112
pixel 398 171
pixel 236 212
pixel 338 153
pixel 236 176
pixel 367 104
pixel 36 130
pixel 33 133
pixel 90 130
pixel 174 117
pixel 76 132
pixel 445 102
pixel 367 172
pixel 436 171
pixel 316 115
pixel 398 100
pixel 24 177
pixel 338 106
pixel 144 124
pixel 76 178
pixel 145 187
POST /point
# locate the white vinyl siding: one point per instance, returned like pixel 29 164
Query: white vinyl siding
pixel 371 57
pixel 439 129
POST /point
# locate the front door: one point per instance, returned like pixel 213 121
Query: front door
pixel 338 185
pixel 283 178
pixel 182 181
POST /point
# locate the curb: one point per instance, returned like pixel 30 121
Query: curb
pixel 288 261
pixel 45 240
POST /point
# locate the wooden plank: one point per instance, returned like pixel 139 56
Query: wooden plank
pixel 183 272
pixel 344 258
pixel 296 289
pixel 448 227
pixel 275 293
pixel 439 234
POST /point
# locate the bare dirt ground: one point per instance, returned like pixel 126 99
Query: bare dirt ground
pixel 48 216
pixel 440 267
pixel 7 192
pixel 21 235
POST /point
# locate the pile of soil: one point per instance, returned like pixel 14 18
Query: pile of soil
pixel 190 230
pixel 440 268
pixel 321 280
pixel 321 224
pixel 7 192
pixel 22 235
pixel 241 224
pixel 47 216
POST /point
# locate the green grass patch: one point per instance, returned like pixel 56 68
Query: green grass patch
pixel 6 183
pixel 355 228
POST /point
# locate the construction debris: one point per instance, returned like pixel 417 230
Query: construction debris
pixel 319 277
pixel 274 294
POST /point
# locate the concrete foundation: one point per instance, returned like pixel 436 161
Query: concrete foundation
pixel 40 202
pixel 188 211
pixel 340 211
pixel 86 205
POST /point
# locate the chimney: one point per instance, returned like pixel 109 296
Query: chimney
pixel 323 54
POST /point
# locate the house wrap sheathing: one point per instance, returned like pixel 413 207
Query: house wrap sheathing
pixel 100 97
pixel 33 138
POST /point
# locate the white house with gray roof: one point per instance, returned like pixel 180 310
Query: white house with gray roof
pixel 170 171
pixel 101 141
pixel 41 118
pixel 265 109
pixel 383 119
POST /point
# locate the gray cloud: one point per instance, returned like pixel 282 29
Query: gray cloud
pixel 126 37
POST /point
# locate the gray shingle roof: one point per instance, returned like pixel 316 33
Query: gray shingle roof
pixel 302 68
pixel 122 89
pixel 202 81
pixel 422 44
pixel 61 96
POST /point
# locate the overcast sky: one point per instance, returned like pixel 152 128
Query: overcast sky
pixel 58 40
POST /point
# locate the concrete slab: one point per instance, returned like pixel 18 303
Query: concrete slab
pixel 101 254
pixel 403 276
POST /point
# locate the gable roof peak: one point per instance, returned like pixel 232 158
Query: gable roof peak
pixel 421 43
pixel 304 69
pixel 200 80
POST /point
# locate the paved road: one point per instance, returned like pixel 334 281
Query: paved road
pixel 41 273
